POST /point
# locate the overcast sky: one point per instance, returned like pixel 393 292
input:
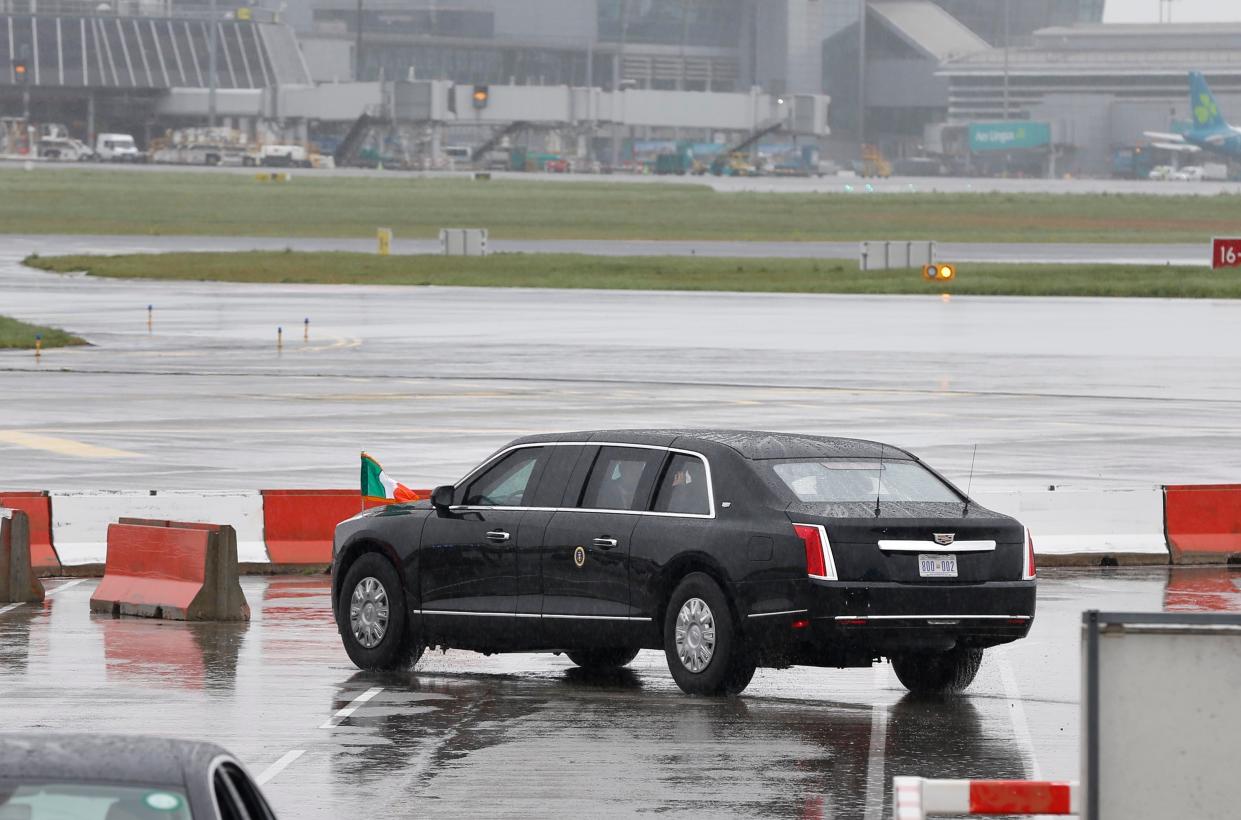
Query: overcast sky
pixel 1183 11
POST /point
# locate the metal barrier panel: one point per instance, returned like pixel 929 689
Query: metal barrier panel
pixel 1161 727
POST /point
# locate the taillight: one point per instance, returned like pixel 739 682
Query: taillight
pixel 819 562
pixel 1029 570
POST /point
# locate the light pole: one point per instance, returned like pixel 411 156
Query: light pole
pixel 212 38
pixel 357 48
pixel 861 73
pixel 1007 9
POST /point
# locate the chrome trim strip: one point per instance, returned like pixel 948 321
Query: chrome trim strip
pixel 783 612
pixel 932 617
pixel 597 617
pixel 705 462
pixel 528 615
pixel 898 545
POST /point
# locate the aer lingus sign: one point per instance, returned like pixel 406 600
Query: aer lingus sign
pixel 1008 136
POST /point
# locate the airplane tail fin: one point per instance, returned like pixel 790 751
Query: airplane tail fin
pixel 1202 104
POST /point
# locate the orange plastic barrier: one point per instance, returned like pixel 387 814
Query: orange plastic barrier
pixel 171 570
pixel 38 506
pixel 298 525
pixel 1203 521
pixel 18 583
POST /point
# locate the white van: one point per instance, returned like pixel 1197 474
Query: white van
pixel 118 148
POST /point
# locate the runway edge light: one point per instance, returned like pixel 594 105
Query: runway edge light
pixel 940 272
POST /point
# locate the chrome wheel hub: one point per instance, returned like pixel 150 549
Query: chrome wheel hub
pixel 695 634
pixel 368 612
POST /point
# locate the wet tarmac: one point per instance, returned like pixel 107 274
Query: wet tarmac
pixel 1043 253
pixel 832 183
pixel 462 735
pixel 1067 392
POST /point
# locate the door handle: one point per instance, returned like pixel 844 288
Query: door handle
pixel 604 543
pixel 499 536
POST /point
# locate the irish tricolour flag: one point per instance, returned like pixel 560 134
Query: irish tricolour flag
pixel 377 486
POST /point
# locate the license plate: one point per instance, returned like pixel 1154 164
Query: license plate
pixel 937 566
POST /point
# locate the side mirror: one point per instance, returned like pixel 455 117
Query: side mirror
pixel 441 497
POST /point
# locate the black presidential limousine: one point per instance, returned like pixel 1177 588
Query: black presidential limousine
pixel 728 550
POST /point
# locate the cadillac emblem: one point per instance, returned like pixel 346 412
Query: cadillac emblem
pixel 945 538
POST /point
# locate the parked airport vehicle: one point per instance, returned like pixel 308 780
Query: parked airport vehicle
pixel 279 156
pixel 119 777
pixel 118 148
pixel 201 146
pixel 1190 173
pixel 728 550
pixel 55 142
pixel 65 148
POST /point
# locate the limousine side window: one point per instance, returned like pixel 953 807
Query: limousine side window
pixel 621 478
pixel 684 487
pixel 507 483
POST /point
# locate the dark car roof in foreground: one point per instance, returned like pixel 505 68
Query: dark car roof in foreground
pixel 103 758
pixel 752 444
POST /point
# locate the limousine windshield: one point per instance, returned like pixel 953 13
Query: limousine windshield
pixel 830 481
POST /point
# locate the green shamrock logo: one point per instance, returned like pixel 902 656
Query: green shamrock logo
pixel 1206 109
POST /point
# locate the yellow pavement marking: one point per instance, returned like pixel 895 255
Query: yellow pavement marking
pixel 62 446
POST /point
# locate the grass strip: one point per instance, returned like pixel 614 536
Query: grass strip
pixel 21 335
pixel 654 273
pixel 138 202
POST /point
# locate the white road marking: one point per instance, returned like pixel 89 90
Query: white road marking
pixel 1017 714
pixel 279 766
pixel 340 716
pixel 878 747
pixel 49 593
pixel 64 586
pixel 62 446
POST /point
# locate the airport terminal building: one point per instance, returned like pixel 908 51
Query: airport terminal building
pixel 909 76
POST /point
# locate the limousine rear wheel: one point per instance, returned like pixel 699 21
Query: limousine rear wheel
pixel 372 617
pixel 704 650
pixel 603 659
pixel 938 673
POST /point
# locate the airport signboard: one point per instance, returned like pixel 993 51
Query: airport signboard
pixel 1009 136
pixel 1226 252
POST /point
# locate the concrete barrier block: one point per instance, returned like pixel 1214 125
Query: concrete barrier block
pixel 18 582
pixel 1204 522
pixel 37 506
pixel 299 524
pixel 80 521
pixel 170 570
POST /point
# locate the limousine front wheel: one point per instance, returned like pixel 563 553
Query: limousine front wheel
pixel 938 673
pixel 371 615
pixel 705 652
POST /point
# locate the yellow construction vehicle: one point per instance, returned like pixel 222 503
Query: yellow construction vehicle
pixel 873 163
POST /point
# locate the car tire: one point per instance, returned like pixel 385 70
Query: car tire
pixel 372 617
pixel 711 657
pixel 938 673
pixel 602 660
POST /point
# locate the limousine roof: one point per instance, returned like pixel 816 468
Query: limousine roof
pixel 752 444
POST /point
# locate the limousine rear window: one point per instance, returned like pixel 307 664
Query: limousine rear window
pixel 684 487
pixel 621 479
pixel 839 481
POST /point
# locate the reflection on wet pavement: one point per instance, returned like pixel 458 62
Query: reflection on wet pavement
pixel 530 736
